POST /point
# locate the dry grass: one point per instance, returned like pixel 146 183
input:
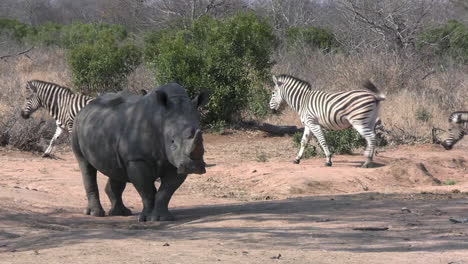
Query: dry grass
pixel 47 64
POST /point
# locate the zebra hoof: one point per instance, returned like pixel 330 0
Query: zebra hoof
pixel 328 164
pixel 296 161
pixel 367 165
pixel 47 155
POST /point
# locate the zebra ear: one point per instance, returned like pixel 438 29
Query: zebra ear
pixel 200 100
pixel 275 80
pixel 31 87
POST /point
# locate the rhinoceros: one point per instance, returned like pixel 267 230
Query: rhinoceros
pixel 138 139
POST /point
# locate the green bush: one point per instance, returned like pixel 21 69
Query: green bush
pixel 228 58
pixel 102 66
pixel 320 38
pixel 47 34
pixel 450 39
pixel 344 141
pixel 309 151
pixel 422 114
pixel 15 29
pixel 339 142
pixel 80 33
pixel 100 55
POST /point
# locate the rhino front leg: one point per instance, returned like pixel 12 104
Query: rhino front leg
pixel 114 190
pixel 88 173
pixel 170 182
pixel 140 174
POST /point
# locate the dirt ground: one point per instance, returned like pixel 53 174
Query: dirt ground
pixel 252 206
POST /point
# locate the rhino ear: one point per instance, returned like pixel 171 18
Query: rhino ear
pixel 162 98
pixel 200 100
pixel 143 92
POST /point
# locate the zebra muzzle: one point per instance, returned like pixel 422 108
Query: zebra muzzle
pixel 24 114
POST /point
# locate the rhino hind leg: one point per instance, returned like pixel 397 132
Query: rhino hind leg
pixel 114 190
pixel 170 182
pixel 88 173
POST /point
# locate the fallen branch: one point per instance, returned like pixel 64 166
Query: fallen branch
pixel 371 228
pixel 272 129
pixel 17 54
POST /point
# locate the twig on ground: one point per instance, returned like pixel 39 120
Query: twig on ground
pixel 17 54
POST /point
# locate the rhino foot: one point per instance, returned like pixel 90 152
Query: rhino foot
pixel 120 211
pixel 156 217
pixel 94 212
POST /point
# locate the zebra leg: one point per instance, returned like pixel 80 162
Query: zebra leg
pixel 58 132
pixel 304 141
pixel 318 133
pixel 114 190
pixel 369 135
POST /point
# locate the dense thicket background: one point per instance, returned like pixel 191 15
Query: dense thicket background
pixel 416 51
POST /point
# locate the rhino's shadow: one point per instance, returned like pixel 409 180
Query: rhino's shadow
pixel 289 223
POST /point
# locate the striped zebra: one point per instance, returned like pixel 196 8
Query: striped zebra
pixel 458 128
pixel 61 102
pixel 334 111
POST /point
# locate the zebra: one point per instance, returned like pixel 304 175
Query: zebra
pixel 335 111
pixel 61 103
pixel 458 122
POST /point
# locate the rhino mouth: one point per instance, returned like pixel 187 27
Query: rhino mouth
pixel 192 167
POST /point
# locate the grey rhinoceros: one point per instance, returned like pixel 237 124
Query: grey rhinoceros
pixel 138 139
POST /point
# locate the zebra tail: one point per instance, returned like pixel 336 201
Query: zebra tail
pixel 372 88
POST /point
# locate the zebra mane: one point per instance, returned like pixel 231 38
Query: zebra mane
pixel 36 82
pixel 287 76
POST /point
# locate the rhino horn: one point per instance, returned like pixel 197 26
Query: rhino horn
pixel 197 150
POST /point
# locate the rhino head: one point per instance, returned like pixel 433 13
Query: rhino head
pixel 182 136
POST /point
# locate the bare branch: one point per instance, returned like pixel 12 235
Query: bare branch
pixel 17 54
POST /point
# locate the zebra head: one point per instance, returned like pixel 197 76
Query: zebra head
pixel 276 100
pixel 33 101
pixel 455 135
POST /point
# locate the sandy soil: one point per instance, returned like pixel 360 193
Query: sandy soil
pixel 247 211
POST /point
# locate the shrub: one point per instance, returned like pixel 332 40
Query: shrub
pixel 80 33
pixel 344 141
pixel 309 151
pixel 320 38
pixel 27 135
pixel 100 55
pixel 230 59
pixel 47 34
pixel 15 29
pixel 422 114
pixel 450 39
pixel 339 142
pixel 102 66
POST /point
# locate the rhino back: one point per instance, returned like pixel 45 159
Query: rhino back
pixel 110 131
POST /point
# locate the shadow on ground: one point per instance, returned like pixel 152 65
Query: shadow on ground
pixel 324 222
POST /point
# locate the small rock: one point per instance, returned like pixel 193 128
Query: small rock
pixel 245 252
pixel 405 209
pixel 276 257
pixel 455 191
pixel 166 245
pixel 458 221
pixel 254 171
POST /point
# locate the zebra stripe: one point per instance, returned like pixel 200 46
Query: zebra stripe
pixel 335 111
pixel 458 122
pixel 61 103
